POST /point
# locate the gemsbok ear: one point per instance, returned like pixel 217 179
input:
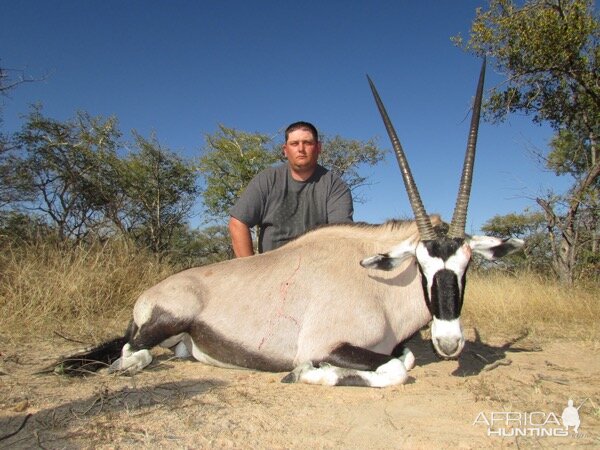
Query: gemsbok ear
pixel 492 248
pixel 381 262
pixel 392 259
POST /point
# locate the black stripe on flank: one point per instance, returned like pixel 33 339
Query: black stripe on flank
pixel 163 325
pixel 227 351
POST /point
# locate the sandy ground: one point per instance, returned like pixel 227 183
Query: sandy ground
pixel 185 404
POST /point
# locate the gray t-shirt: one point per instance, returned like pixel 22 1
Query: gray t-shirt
pixel 285 208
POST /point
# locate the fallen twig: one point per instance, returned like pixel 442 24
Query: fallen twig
pixel 80 415
pixel 492 366
pixel 6 436
pixel 70 339
pixel 553 380
pixel 481 357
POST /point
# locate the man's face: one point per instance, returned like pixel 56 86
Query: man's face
pixel 302 151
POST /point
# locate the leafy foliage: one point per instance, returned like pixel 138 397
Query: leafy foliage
pixel 549 52
pixel 57 167
pixel 230 160
pixel 537 253
pixel 346 156
pixel 71 174
pixel 161 188
pixel 192 248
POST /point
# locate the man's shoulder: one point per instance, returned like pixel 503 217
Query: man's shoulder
pixel 268 177
pixel 272 172
pixel 328 176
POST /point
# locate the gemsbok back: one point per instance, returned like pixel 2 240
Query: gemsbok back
pixel 331 307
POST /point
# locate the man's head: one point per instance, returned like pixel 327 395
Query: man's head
pixel 302 149
pixel 302 126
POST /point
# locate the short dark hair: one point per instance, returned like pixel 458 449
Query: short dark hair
pixel 302 126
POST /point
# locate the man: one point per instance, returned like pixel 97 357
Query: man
pixel 287 200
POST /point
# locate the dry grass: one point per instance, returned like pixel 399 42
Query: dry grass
pixel 87 289
pixel 498 303
pixel 90 292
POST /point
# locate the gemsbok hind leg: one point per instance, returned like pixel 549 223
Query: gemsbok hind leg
pixel 160 328
pixel 349 365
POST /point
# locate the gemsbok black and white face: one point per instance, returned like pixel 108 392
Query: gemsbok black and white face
pixel 443 256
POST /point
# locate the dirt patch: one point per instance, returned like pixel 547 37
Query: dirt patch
pixel 185 404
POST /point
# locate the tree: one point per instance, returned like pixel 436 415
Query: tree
pixel 11 190
pixel 72 174
pixel 56 166
pixel 346 156
pixel 548 50
pixel 11 78
pixel 198 247
pixel 232 158
pixel 161 189
pixel 537 253
pixel 19 228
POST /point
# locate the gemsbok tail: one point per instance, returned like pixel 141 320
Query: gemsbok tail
pixel 96 358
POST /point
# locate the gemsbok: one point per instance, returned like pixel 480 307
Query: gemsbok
pixel 331 307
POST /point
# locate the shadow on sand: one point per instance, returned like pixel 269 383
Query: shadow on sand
pixel 53 427
pixel 476 357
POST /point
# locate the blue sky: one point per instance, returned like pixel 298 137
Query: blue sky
pixel 180 68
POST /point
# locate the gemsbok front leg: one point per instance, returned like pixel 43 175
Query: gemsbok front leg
pixel 349 365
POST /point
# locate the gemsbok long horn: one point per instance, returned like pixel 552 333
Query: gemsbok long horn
pixel 421 217
pixel 459 218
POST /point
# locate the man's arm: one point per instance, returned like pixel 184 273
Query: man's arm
pixel 241 239
pixel 339 203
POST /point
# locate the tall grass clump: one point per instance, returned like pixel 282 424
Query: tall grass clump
pixel 82 289
pixel 90 290
pixel 500 303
